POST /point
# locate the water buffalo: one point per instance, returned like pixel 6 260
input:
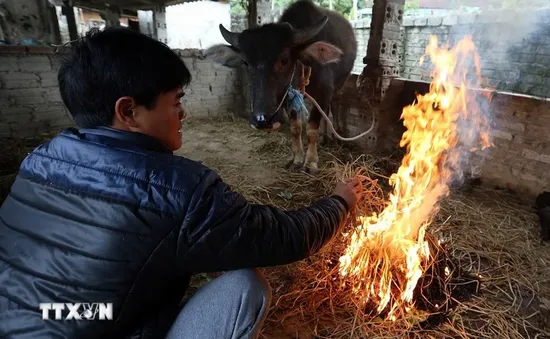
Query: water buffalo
pixel 274 55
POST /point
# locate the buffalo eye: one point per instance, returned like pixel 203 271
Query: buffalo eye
pixel 282 63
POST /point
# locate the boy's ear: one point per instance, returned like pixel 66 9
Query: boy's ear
pixel 323 52
pixel 125 112
pixel 226 55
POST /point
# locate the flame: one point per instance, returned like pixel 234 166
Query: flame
pixel 387 253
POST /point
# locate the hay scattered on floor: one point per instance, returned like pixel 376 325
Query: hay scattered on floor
pixel 491 234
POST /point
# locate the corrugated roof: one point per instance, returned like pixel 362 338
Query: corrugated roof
pixel 130 4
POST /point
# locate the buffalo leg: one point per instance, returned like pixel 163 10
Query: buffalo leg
pixel 297 160
pixel 312 158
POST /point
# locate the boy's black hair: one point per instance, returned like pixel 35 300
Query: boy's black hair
pixel 116 62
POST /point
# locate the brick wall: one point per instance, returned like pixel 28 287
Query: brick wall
pixel 519 160
pixel 514 46
pixel 29 97
pixel 214 90
pixel 30 102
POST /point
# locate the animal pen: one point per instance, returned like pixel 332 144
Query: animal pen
pixel 445 242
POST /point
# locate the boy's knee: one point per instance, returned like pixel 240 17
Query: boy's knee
pixel 252 283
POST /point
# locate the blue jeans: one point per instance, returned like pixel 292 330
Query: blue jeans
pixel 234 305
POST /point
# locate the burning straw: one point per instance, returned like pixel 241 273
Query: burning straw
pixel 389 252
pixel 312 290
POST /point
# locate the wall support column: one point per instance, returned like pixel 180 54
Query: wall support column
pixel 382 58
pixel 381 66
pixel 159 24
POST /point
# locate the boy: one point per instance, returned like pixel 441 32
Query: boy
pixel 107 214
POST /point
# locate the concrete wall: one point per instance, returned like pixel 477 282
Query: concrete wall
pixel 30 103
pixel 514 46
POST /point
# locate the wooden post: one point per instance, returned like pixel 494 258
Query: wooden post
pixel 68 12
pixel 252 12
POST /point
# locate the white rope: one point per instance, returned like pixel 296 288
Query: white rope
pixel 332 127
pixel 287 88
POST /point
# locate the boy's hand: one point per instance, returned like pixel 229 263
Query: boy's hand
pixel 349 190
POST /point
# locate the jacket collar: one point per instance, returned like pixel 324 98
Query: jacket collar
pixel 133 138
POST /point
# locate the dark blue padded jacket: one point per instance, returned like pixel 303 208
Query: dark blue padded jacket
pixel 107 216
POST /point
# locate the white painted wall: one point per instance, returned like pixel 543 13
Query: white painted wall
pixel 195 24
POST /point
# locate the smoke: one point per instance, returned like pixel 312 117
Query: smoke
pixel 513 53
pixel 508 44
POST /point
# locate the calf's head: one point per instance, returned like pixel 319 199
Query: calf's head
pixel 270 54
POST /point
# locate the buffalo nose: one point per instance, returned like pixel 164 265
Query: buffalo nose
pixel 259 121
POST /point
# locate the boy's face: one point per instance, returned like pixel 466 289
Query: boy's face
pixel 163 122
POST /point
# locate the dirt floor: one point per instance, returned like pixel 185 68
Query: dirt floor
pixel 225 146
pixel 493 234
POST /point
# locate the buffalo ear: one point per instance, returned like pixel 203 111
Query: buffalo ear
pixel 226 55
pixel 323 52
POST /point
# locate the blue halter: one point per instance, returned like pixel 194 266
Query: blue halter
pixel 296 103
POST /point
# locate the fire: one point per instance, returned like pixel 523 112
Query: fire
pixel 388 253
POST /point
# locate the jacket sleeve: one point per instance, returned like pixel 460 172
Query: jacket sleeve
pixel 222 231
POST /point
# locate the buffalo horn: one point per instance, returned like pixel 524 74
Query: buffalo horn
pixel 230 37
pixel 303 35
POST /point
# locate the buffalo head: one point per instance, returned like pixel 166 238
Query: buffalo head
pixel 270 54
